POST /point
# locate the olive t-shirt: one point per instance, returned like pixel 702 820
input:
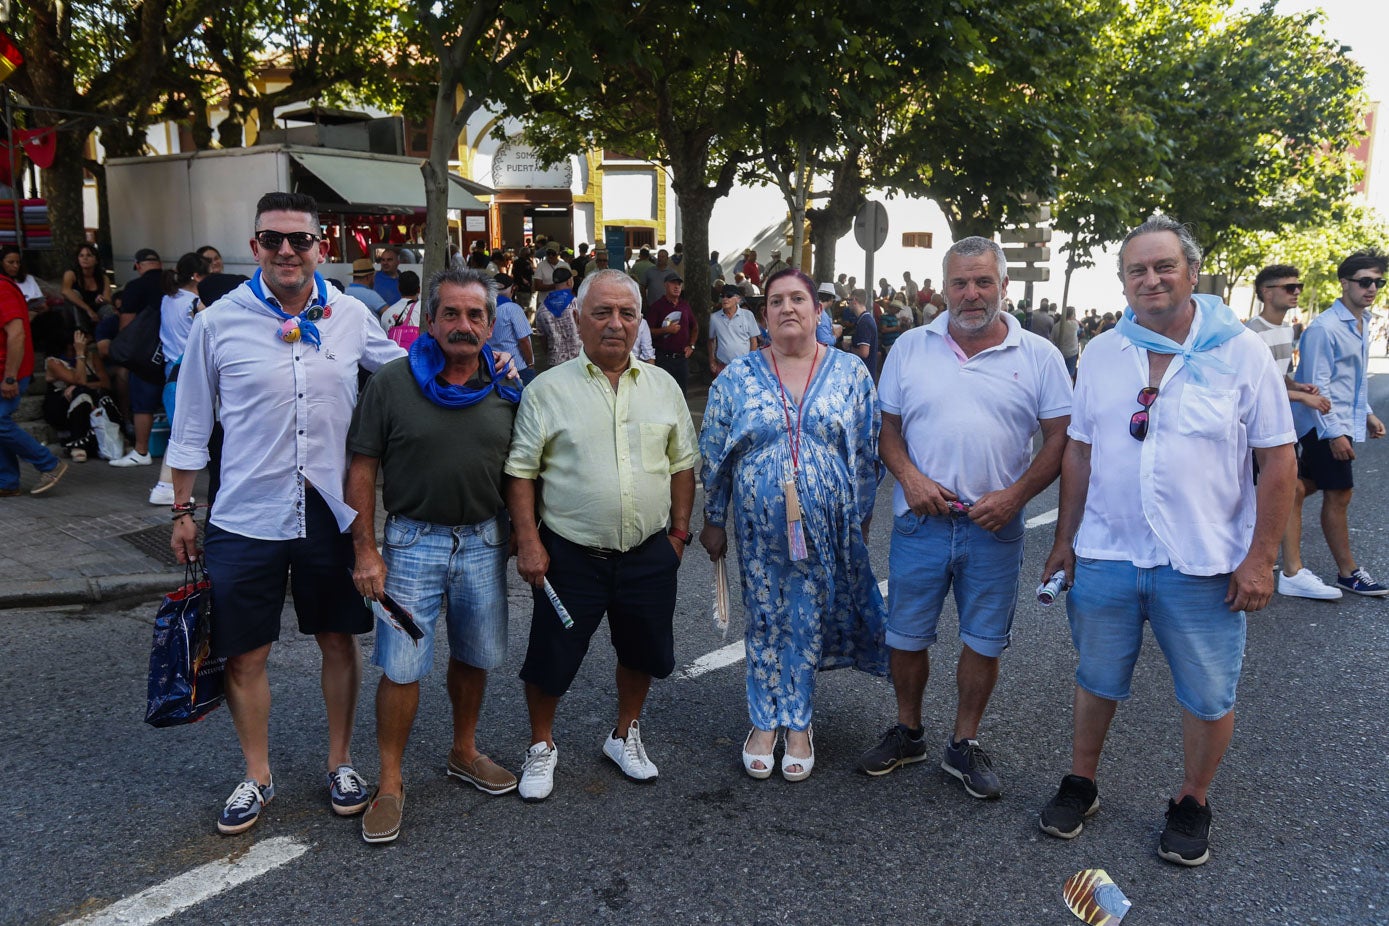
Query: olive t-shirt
pixel 441 465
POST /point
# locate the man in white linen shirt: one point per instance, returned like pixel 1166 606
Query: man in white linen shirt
pixel 962 398
pixel 1160 521
pixel 276 361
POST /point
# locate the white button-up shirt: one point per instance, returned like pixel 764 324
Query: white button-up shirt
pixel 1335 357
pixel 1183 496
pixel 285 408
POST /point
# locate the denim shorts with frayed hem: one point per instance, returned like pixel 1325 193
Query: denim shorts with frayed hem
pixel 929 555
pixel 458 570
pixel 1201 638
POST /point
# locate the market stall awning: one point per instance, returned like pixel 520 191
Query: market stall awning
pixel 364 181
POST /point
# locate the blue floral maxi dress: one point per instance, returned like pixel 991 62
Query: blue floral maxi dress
pixel 824 611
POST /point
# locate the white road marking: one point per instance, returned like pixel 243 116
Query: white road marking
pixel 734 652
pixel 193 887
pixel 723 656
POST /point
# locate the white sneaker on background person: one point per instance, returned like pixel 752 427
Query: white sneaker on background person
pixel 133 458
pixel 162 493
pixel 1305 584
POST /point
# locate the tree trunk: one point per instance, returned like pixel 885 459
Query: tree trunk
pixel 62 187
pixel 832 222
pixel 103 210
pixel 442 144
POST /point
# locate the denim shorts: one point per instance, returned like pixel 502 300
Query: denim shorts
pixel 1202 639
pixel 930 554
pixel 458 570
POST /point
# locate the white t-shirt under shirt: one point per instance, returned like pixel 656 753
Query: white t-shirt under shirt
pixel 968 424
pixel 1183 496
pixel 1278 338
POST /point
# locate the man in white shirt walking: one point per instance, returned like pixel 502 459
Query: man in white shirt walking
pixel 1278 288
pixel 1159 519
pixel 277 359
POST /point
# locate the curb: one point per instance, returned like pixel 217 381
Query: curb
pixel 91 590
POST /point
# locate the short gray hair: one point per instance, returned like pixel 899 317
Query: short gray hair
pixel 466 277
pixel 1158 222
pixel 974 246
pixel 610 275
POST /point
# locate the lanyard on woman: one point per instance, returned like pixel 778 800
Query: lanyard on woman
pixel 795 534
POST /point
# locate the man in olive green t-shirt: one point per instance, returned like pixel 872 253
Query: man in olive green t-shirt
pixel 436 425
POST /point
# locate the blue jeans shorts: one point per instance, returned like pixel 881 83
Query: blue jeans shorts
pixel 929 555
pixel 458 570
pixel 1202 639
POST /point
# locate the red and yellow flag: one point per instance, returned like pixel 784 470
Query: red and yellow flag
pixel 10 57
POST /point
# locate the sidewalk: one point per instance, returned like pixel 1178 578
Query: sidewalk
pixel 96 537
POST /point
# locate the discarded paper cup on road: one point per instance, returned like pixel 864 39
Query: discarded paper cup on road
pixel 1094 897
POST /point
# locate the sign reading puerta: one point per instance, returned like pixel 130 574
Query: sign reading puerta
pixel 516 167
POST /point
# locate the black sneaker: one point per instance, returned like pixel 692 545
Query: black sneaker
pixel 897 748
pixel 1186 839
pixel 968 761
pixel 1064 816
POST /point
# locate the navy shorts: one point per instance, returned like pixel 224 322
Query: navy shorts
pixel 249 577
pixel 146 398
pixel 1317 466
pixel 636 589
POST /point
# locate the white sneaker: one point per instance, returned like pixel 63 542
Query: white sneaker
pixel 1305 584
pixel 133 458
pixel 162 493
pixel 630 754
pixel 538 772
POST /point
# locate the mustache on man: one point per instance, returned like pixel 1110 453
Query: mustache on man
pixel 464 337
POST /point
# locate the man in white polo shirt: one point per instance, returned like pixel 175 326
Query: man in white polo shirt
pixel 1278 289
pixel 962 398
pixel 1160 520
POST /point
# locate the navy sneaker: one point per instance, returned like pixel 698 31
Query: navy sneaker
pixel 968 761
pixel 1361 582
pixel 1186 837
pixel 348 791
pixel 243 808
pixel 897 748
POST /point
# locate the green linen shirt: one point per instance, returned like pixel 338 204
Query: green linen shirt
pixel 604 457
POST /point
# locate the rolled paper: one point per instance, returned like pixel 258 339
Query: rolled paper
pixel 721 595
pixel 559 607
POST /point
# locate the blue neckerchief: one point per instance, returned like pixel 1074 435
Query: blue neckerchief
pixel 307 328
pixel 427 362
pixel 1218 325
pixel 558 302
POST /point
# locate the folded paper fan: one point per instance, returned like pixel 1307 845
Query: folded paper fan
pixel 1094 897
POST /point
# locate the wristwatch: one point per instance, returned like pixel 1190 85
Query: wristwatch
pixel 683 536
pixel 11 381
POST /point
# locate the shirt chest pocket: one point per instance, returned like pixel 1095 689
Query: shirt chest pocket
pixel 653 438
pixel 1207 413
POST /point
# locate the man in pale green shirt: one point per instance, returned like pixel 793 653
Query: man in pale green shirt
pixel 614 449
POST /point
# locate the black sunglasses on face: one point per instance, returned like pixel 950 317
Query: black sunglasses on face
pixel 300 241
pixel 1292 289
pixel 1138 423
pixel 1368 282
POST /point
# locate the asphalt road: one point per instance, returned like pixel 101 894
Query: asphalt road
pixel 103 807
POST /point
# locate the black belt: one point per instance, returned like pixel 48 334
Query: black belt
pixel 670 353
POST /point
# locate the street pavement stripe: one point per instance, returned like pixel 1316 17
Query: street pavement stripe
pixel 733 652
pixel 723 656
pixel 163 900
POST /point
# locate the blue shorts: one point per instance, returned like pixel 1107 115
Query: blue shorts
pixel 146 398
pixel 1202 639
pixel 458 570
pixel 930 554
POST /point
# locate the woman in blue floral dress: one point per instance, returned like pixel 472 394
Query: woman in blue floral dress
pixel 795 414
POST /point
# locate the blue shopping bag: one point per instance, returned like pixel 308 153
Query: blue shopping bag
pixel 185 683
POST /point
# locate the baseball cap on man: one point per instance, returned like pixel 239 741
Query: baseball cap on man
pixel 502 280
pixel 729 290
pixel 145 254
pixel 673 277
pixel 562 275
pixel 827 291
pixel 362 266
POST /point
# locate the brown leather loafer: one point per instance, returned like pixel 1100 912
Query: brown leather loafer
pixel 483 774
pixel 381 822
